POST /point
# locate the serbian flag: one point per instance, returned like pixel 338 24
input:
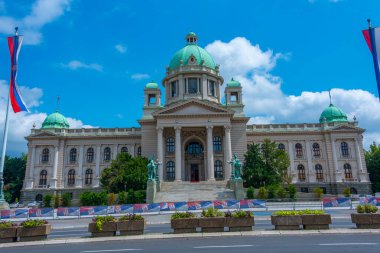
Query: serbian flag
pixel 18 104
pixel 372 37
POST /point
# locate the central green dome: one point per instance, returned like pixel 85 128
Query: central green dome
pixel 182 56
pixel 55 120
pixel 333 114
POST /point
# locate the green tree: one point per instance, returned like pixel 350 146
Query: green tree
pixel 122 198
pixel 56 200
pixel 372 159
pixel 265 165
pixel 47 200
pixel 66 199
pixel 250 192
pixel 14 172
pixel 125 171
pixel 262 193
pixel 292 191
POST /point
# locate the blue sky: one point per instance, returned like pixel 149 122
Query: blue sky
pixel 98 55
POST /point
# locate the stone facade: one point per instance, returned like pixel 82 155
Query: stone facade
pixel 193 136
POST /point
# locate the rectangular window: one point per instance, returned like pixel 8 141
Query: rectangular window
pixel 174 88
pixel 211 85
pixel 234 98
pixel 192 85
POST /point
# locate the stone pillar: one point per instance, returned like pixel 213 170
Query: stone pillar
pixel 181 86
pixel 53 183
pixel 309 162
pixel 114 152
pixel 79 180
pixel 210 154
pixel 178 158
pixel 293 170
pixel 97 166
pixel 132 152
pixel 160 155
pixel 30 182
pixel 361 173
pixel 335 160
pixel 227 151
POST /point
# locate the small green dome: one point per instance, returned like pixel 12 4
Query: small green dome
pixel 55 120
pixel 183 55
pixel 333 114
pixel 151 85
pixel 233 83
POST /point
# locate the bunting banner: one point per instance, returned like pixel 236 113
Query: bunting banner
pixel 372 37
pixel 18 104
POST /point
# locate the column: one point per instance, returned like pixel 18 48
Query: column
pixel 227 151
pixel 160 155
pixel 55 168
pixel 79 181
pixel 309 162
pixel 132 152
pixel 210 154
pixel 292 165
pixel 114 152
pixel 30 181
pixel 335 160
pixel 97 166
pixel 178 159
pixel 361 173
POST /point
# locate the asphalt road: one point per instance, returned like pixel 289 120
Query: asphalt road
pixel 165 228
pixel 336 243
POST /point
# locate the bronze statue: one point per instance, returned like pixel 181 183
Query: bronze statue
pixel 152 170
pixel 236 168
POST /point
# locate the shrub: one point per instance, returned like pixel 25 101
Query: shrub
pixel 281 192
pixel 186 215
pixel 242 214
pixel 292 191
pixel 66 199
pixel 212 212
pixel 360 209
pixel 366 208
pixel 262 193
pixel 347 192
pixel 111 199
pixel 122 197
pixel 56 201
pixel 140 197
pixel 131 217
pixel 250 192
pixel 93 198
pixel 131 197
pixel 47 200
pixel 318 192
pixel 6 224
pixel 33 223
pixel 300 212
pixel 272 191
pixel 315 212
pixel 102 219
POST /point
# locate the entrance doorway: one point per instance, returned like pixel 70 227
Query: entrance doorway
pixel 194 172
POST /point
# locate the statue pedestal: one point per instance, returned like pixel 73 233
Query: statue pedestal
pixel 151 189
pixel 237 186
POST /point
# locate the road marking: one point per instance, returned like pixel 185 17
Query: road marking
pixel 109 250
pixel 347 243
pixel 221 246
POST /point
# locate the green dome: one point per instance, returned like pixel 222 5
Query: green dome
pixel 333 114
pixel 151 85
pixel 55 120
pixel 233 83
pixel 191 48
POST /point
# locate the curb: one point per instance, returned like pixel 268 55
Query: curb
pixel 194 235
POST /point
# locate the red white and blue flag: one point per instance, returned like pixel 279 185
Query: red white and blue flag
pixel 372 37
pixel 18 104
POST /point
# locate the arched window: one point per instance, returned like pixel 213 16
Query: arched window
pixel 73 155
pixel 301 172
pixel 299 152
pixel 43 178
pixel 139 151
pixel 218 169
pixel 71 177
pixel 217 142
pixel 194 148
pixel 316 150
pixel 170 171
pixel 88 177
pixel 344 148
pixel 38 197
pixel 281 146
pixel 90 155
pixel 45 155
pixel 107 154
pixel 170 145
pixel 319 172
pixel 347 171
pixel 124 150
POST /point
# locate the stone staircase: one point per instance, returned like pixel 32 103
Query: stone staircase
pixel 187 191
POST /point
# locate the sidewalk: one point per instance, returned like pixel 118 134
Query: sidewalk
pixel 193 235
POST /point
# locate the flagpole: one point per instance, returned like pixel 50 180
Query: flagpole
pixel 377 72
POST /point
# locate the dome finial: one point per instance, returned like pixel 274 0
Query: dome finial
pixel 191 38
pixel 330 96
pixel 57 108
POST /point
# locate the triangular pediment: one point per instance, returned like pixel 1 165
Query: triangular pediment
pixel 346 128
pixel 43 134
pixel 193 107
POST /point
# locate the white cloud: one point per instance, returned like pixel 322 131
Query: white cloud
pixel 139 76
pixel 121 49
pixel 43 12
pixel 252 66
pixel 21 123
pixel 75 65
